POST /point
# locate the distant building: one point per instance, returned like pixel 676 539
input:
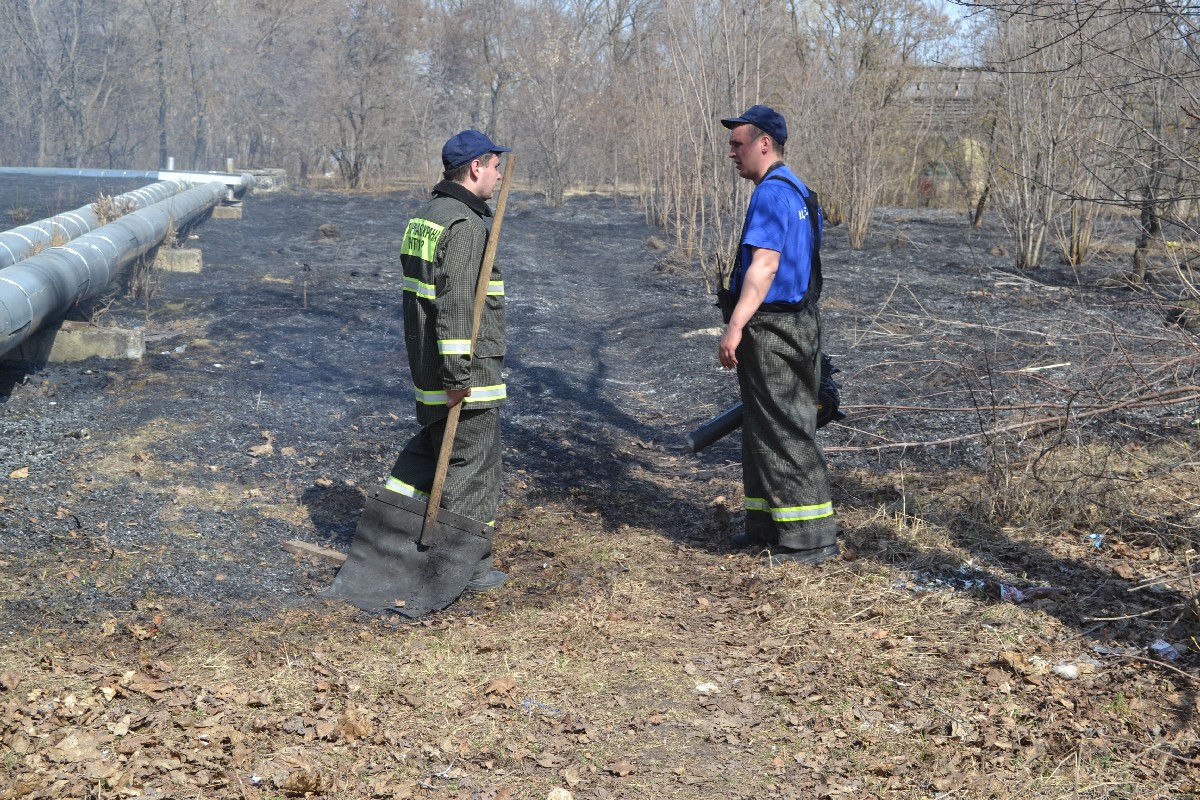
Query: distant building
pixel 950 110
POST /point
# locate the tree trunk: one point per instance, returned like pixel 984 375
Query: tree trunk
pixel 1149 227
pixel 977 221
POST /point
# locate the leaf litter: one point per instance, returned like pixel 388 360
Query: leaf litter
pixel 158 642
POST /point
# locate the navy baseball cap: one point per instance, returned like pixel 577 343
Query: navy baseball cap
pixel 765 118
pixel 468 146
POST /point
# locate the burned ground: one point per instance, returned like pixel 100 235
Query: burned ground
pixel 143 508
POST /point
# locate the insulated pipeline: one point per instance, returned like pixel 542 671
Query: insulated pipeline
pixel 45 286
pixel 236 184
pixel 19 243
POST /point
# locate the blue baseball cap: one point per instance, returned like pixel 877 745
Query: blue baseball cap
pixel 468 146
pixel 765 118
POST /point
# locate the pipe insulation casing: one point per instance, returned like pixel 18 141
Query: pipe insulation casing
pixel 45 286
pixel 236 184
pixel 18 243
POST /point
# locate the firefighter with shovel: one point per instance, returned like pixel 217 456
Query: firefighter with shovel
pixel 426 536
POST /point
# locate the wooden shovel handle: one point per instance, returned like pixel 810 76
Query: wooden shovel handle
pixel 485 276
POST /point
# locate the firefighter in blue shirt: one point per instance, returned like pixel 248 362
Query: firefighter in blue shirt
pixel 773 339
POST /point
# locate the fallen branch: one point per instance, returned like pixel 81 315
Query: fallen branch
pixel 305 549
pixel 1162 664
pixel 1157 747
pixel 1059 421
pixel 1139 615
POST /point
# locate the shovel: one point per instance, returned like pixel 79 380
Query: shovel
pixel 412 557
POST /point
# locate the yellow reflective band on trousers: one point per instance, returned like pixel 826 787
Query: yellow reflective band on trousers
pixel 425 290
pixel 496 288
pixel 454 347
pixel 408 490
pixel 421 238
pixel 479 394
pixel 790 513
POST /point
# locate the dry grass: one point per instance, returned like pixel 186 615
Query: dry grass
pixel 57 239
pixel 632 655
pixel 108 207
pixel 137 454
pixel 615 664
pixel 18 214
pixel 144 277
pixel 1130 491
pixel 144 280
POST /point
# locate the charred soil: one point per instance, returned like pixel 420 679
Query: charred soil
pixel 1017 475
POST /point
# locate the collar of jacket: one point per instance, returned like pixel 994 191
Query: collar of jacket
pixel 464 196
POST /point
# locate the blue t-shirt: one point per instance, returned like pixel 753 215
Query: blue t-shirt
pixel 777 219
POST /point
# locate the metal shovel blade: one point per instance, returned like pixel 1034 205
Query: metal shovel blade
pixel 388 569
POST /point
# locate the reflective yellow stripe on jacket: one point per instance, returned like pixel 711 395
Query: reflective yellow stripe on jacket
pixel 479 394
pixel 425 290
pixel 429 291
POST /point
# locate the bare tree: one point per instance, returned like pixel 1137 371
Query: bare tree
pixel 1092 110
pixel 273 82
pixel 363 89
pixel 711 62
pixel 162 21
pixel 73 51
pixel 622 30
pixel 861 59
pixel 202 96
pixel 1035 112
pixel 1151 156
pixel 474 60
pixel 558 89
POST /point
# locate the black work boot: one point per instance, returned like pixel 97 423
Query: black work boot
pixel 742 539
pixel 487 581
pixel 816 555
